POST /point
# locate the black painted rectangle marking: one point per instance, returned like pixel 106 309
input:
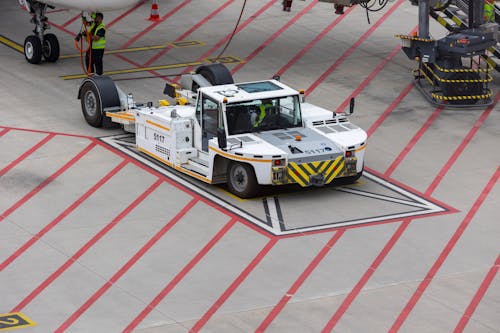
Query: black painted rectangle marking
pixel 14 320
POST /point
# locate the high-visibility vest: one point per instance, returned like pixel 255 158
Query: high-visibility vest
pixel 262 113
pixel 489 12
pixel 101 42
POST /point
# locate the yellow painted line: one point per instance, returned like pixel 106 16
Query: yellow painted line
pixel 15 320
pixel 229 59
pixel 240 158
pixel 187 43
pixel 157 125
pixel 135 70
pixel 10 43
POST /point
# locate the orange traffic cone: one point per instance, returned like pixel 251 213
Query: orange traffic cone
pixel 155 13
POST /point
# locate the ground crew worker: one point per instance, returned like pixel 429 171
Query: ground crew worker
pixel 262 114
pixel 489 11
pixel 97 31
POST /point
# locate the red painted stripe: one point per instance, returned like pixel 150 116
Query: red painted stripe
pixel 314 41
pixel 478 297
pixel 126 267
pixel 26 154
pixel 391 107
pixel 366 276
pixel 413 141
pixel 275 35
pixel 188 32
pixel 71 20
pixel 444 254
pixel 85 248
pixel 60 217
pixel 370 77
pixel 52 132
pixel 353 48
pixel 171 285
pixel 71 33
pixel 225 39
pixel 464 143
pixel 154 24
pixel 236 283
pixel 186 190
pixel 4 131
pixel 293 289
pixel 46 182
pixel 125 14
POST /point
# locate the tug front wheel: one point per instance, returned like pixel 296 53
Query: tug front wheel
pixel 241 180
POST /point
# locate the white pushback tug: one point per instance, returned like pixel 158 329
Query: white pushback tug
pixel 245 134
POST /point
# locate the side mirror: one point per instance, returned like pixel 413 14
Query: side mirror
pixel 351 105
pixel 221 138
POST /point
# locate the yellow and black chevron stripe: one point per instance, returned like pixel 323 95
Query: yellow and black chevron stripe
pixel 300 173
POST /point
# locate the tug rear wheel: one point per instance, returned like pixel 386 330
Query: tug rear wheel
pixel 216 74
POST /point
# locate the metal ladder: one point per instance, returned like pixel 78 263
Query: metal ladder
pixel 455 17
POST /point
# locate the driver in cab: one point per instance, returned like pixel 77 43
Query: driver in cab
pixel 258 118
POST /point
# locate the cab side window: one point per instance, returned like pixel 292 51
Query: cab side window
pixel 210 120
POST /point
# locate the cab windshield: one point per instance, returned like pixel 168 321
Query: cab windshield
pixel 263 115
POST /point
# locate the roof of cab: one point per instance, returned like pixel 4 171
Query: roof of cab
pixel 239 92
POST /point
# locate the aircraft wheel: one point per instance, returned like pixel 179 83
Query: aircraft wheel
pixel 33 49
pixel 241 180
pixel 51 48
pixel 91 104
pixel 216 74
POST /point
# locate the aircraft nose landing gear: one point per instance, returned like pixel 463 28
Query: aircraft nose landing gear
pixel 40 44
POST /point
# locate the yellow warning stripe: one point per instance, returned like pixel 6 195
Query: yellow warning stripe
pixel 334 170
pixel 421 72
pixel 489 79
pixel 415 38
pixel 461 70
pixel 10 43
pixel 460 98
pixel 157 125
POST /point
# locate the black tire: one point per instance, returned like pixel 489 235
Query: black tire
pixel 353 179
pixel 216 74
pixel 33 49
pixel 241 180
pixel 50 48
pixel 91 104
pixel 96 94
